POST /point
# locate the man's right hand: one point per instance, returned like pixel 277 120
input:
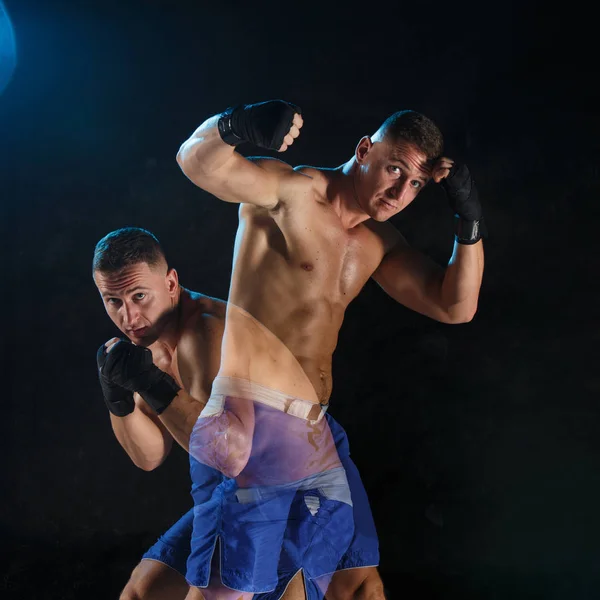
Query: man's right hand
pixel 118 400
pixel 273 124
pixel 131 367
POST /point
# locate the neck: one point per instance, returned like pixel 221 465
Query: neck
pixel 171 330
pixel 343 195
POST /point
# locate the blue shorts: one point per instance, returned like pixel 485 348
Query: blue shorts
pixel 363 550
pixel 174 546
pixel 275 524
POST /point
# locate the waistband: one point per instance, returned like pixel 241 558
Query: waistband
pixel 237 387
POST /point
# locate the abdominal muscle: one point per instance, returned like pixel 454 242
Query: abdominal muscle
pixel 250 350
pixel 265 447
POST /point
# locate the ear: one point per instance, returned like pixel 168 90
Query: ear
pixel 172 280
pixel 362 149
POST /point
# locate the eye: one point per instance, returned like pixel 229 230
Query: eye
pixel 139 296
pixel 415 184
pixel 394 170
pixel 113 301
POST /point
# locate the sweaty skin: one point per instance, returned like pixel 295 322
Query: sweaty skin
pixel 307 242
pixel 296 269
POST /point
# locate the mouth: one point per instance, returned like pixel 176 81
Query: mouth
pixel 137 333
pixel 389 205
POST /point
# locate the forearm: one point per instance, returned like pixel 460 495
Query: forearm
pixel 142 439
pixel 462 281
pixel 180 417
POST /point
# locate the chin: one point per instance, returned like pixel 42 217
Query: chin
pixel 148 340
pixel 380 216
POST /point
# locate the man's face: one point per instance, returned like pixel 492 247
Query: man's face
pixel 389 177
pixel 138 298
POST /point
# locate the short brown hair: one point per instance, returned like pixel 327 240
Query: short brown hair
pixel 415 128
pixel 125 247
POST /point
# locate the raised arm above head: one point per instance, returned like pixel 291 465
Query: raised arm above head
pixel 209 160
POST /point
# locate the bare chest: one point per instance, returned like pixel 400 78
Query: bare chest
pixel 319 253
pixel 169 363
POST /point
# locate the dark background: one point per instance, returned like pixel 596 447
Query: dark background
pixel 478 443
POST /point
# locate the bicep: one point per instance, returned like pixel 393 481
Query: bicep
pixel 144 408
pixel 244 181
pixel 414 280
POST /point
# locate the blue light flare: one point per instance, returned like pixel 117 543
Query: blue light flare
pixel 8 49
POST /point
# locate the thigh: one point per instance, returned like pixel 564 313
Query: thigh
pixel 153 580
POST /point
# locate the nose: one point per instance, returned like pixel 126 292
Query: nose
pixel 398 192
pixel 130 314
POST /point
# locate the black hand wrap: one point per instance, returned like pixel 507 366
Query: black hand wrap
pixel 264 124
pixel 464 201
pixel 118 400
pixel 131 367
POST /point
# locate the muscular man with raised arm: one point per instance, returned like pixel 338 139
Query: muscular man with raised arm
pixel 308 240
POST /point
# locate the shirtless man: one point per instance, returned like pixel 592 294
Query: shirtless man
pixel 308 240
pixel 182 330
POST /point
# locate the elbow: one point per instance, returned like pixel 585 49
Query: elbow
pixel 182 156
pixel 458 315
pixel 146 465
pixel 188 160
pixel 461 320
pixel 192 163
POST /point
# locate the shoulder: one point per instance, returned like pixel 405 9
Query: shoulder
pixel 202 324
pixel 320 177
pixel 206 306
pixel 308 171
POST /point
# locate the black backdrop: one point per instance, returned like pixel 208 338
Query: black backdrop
pixel 478 443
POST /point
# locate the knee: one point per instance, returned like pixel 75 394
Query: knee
pixel 369 589
pixel 131 592
pixel 137 587
pixel 366 592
